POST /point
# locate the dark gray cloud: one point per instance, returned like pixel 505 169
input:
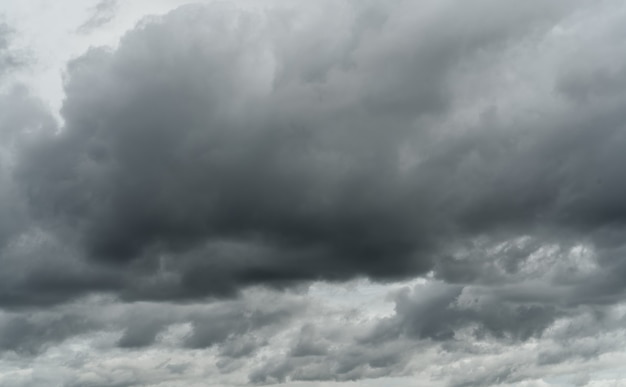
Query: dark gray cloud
pixel 435 312
pixel 28 335
pixel 235 154
pixel 216 150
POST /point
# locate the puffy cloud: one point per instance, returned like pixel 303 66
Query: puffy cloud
pixel 216 153
pixel 216 149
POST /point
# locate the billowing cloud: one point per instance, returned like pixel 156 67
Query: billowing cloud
pixel 220 149
pixel 220 160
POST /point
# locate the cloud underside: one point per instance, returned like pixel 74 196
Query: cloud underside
pixel 478 146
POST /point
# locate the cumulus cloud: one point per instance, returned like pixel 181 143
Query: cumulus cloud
pixel 216 147
pixel 218 161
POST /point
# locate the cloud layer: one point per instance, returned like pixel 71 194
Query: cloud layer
pixel 218 152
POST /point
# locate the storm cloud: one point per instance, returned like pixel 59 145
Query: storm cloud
pixel 216 145
pixel 211 169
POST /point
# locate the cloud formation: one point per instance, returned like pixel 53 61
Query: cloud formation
pixel 219 161
pixel 219 147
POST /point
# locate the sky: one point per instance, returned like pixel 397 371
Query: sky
pixel 334 193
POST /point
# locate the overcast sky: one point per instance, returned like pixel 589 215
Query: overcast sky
pixel 313 193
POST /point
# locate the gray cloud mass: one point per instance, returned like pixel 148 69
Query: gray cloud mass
pixel 219 161
pixel 208 142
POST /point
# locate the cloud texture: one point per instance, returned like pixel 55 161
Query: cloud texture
pixel 215 151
